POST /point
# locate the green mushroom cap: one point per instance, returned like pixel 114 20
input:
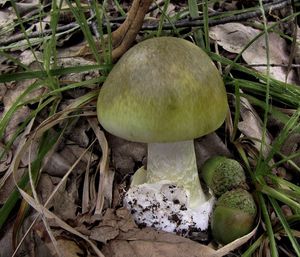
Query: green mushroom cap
pixel 235 211
pixel 222 174
pixel 163 89
pixel 238 199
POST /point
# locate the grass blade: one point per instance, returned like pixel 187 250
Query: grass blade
pixel 285 226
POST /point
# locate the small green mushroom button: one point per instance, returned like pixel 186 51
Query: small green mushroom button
pixel 235 210
pixel 233 216
pixel 222 174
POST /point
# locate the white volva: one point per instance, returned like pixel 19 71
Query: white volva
pixel 168 195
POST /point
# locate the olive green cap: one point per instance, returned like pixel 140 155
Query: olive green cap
pixel 163 89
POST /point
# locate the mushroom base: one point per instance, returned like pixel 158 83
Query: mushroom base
pixel 164 206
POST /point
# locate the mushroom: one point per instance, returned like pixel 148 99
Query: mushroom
pixel 222 174
pixel 235 210
pixel 165 92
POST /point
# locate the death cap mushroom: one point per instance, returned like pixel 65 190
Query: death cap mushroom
pixel 163 89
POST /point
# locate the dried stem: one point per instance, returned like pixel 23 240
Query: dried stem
pixel 124 36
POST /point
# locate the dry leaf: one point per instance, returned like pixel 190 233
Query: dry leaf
pixel 78 133
pixel 38 242
pixel 67 248
pixel 27 57
pixel 7 17
pixel 104 233
pixel 6 241
pixel 233 37
pixel 60 162
pixel 9 185
pixel 64 202
pixel 126 154
pixel 140 248
pixel 14 123
pixel 209 146
pixel 27 6
pixel 5 160
pixel 251 126
pixel 78 76
pixel 290 147
pixel 147 242
pixel 150 243
pixel 45 188
pixel 297 51
pixel 55 219
pixel 113 222
pixel 57 165
pixel 3 88
pixel 106 175
pixel 22 113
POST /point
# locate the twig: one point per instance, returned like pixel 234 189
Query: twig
pixel 124 36
pixel 93 22
pixel 238 17
pixel 186 23
pixel 273 65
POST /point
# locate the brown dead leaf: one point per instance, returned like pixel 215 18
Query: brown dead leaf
pixel 6 241
pixel 57 165
pixel 64 202
pixel 297 51
pixel 9 185
pixel 78 76
pixel 76 151
pixel 209 146
pixel 78 133
pixel 290 147
pixel 126 154
pixel 68 248
pixel 23 112
pixel 251 127
pixel 38 242
pixel 14 123
pixel 27 57
pixel 106 175
pixel 45 188
pixel 113 222
pixel 6 18
pixel 3 88
pixel 104 233
pixel 56 220
pixel 120 248
pixel 234 37
pixel 5 160
pixel 27 6
pixel 60 162
pixel 148 242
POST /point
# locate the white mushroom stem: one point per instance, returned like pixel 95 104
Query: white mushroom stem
pixel 168 195
pixel 176 162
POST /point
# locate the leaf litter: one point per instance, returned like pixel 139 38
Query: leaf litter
pixel 234 38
